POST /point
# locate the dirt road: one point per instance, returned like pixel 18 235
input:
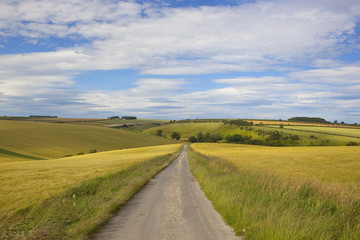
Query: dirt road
pixel 170 206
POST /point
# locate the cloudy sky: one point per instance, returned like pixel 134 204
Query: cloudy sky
pixel 178 59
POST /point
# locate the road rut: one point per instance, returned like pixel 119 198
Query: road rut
pixel 170 206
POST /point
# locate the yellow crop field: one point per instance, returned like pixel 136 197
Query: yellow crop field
pixel 338 166
pixel 29 182
pixel 24 139
pixel 282 192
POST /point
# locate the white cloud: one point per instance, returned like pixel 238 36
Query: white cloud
pixel 252 37
pixel 349 74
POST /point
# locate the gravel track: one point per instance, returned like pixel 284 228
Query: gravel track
pixel 170 206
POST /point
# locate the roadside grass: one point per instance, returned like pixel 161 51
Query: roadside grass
pixel 82 209
pixel 281 195
pixel 55 140
pixel 27 183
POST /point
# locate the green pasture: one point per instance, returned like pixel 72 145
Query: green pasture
pixel 309 136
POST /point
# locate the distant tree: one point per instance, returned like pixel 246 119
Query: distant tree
pixel 192 139
pixel 159 132
pixel 200 137
pixel 217 137
pixel 240 122
pixel 342 122
pixel 336 122
pixel 307 119
pixel 351 143
pixel 175 135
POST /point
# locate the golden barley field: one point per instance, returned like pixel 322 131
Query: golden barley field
pixel 336 166
pixel 26 183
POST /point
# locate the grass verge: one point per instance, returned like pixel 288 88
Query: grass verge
pixel 83 209
pixel 265 206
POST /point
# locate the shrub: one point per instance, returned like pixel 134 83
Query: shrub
pixel 352 143
pixel 192 139
pixel 175 135
pixel 80 153
pixel 93 151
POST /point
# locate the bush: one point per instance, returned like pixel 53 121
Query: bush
pixel 159 132
pixel 175 135
pixel 352 143
pixel 240 122
pixel 192 139
pixel 93 151
pixel 80 153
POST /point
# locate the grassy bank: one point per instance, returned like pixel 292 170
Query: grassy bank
pixel 83 207
pixel 260 202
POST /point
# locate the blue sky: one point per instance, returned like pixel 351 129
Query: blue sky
pixel 181 59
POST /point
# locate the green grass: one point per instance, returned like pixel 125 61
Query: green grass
pixel 185 129
pixel 282 197
pixel 348 132
pixel 55 140
pixel 324 136
pixel 81 193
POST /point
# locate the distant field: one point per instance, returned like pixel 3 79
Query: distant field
pixel 350 132
pixel 54 140
pixel 186 129
pixel 324 136
pixel 282 193
pixel 27 183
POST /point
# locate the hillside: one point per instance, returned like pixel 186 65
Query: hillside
pixel 23 140
pixel 262 134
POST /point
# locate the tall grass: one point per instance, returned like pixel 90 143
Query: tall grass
pixel 264 204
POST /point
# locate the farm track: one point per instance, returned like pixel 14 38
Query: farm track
pixel 170 206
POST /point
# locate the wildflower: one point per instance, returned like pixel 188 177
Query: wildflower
pixel 74 196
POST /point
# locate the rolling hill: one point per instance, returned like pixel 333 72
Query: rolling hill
pixel 24 140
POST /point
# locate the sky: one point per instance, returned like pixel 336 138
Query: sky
pixel 178 59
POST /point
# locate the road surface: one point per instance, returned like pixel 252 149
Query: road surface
pixel 170 206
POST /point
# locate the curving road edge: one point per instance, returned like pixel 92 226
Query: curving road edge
pixel 170 206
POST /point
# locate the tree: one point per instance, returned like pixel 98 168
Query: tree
pixel 192 139
pixel 175 135
pixel 159 132
pixel 200 137
pixel 336 122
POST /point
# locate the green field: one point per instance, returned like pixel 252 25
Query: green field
pixel 282 193
pixel 308 136
pixel 24 140
pixel 46 194
pixel 349 132
pixel 185 129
